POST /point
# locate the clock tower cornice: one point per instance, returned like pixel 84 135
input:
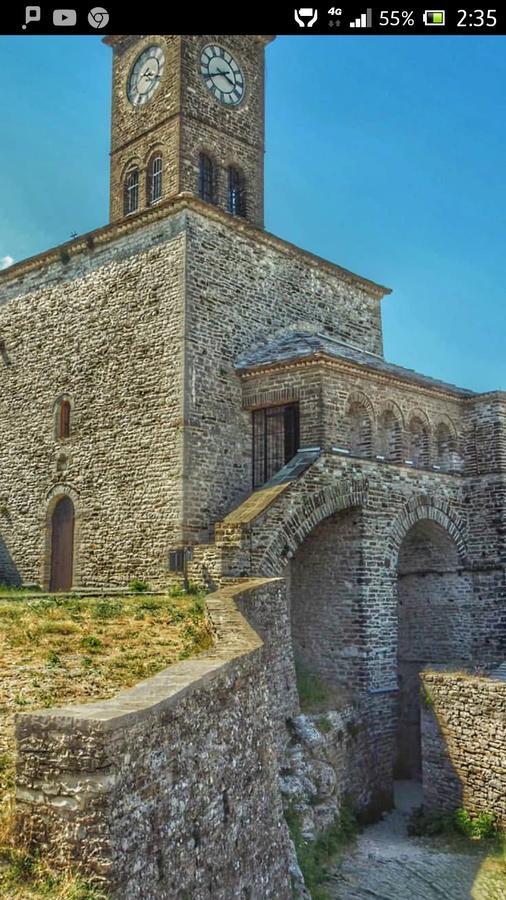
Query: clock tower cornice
pixel 118 40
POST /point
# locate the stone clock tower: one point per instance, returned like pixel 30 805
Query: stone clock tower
pixel 188 116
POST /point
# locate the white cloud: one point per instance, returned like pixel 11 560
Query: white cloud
pixel 5 262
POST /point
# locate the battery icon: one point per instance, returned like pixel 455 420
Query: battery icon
pixel 434 17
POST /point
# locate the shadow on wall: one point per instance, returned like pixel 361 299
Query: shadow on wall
pixel 463 751
pixel 435 626
pixel 9 574
pixel 442 787
pixel 464 743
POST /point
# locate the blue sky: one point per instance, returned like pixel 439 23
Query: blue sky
pixel 385 155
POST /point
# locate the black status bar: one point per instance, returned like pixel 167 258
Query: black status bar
pixel 116 18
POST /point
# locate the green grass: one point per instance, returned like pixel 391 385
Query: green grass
pixel 180 591
pixel 324 724
pixel 313 692
pixel 316 857
pixel 138 586
pixel 107 609
pixel 23 877
pixel 459 822
pixel 426 697
pixel 62 649
pixel 91 643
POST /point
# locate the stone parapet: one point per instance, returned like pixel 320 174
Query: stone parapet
pixel 159 792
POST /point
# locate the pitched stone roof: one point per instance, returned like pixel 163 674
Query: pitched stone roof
pixel 298 345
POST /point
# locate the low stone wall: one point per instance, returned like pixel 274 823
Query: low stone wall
pixel 170 788
pixel 464 743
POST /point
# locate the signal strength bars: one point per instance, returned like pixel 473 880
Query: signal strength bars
pixel 363 21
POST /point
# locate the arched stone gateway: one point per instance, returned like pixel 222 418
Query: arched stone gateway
pixel 433 509
pixel 379 587
pixel 303 518
pixel 434 615
pixel 326 602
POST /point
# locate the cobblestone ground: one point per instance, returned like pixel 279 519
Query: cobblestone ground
pixel 386 864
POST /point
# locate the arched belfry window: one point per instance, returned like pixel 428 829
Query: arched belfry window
pixel 418 442
pixel 63 419
pixel 236 192
pixel 207 178
pixel 154 179
pixel 447 454
pixel 389 436
pixel 131 195
pixel 358 425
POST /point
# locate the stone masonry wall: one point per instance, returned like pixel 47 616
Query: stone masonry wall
pixel 344 597
pixel 267 611
pixel 326 390
pixel 436 605
pixel 137 131
pixel 131 327
pixel 239 294
pixel 326 607
pixel 183 119
pixel 464 744
pixel 104 328
pixel 394 498
pixel 329 760
pixel 233 136
pixel 169 789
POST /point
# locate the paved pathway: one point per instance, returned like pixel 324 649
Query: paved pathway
pixel 386 864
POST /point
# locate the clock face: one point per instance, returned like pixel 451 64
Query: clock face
pixel 222 75
pixel 145 75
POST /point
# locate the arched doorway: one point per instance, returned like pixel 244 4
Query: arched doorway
pixel 434 607
pixel 327 621
pixel 62 545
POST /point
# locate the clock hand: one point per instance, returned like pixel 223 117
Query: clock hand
pixel 225 75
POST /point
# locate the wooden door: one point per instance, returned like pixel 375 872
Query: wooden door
pixel 62 545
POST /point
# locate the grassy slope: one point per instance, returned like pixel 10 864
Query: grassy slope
pixel 63 649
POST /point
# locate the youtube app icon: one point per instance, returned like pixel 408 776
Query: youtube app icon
pixel 64 17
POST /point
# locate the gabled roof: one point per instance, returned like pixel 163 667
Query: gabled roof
pixel 300 345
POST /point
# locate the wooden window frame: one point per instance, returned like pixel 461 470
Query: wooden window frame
pixel 64 416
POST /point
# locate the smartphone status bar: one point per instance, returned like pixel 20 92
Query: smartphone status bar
pixel 116 18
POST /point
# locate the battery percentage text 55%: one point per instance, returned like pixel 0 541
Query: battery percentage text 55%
pixel 395 17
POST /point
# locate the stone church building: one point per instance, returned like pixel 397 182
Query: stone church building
pixel 181 389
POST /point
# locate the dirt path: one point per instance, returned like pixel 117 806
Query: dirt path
pixel 386 864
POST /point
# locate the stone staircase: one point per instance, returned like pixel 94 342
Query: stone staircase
pixel 229 558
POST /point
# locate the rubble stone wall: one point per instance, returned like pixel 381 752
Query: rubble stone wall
pixel 239 295
pixel 464 743
pixel 105 329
